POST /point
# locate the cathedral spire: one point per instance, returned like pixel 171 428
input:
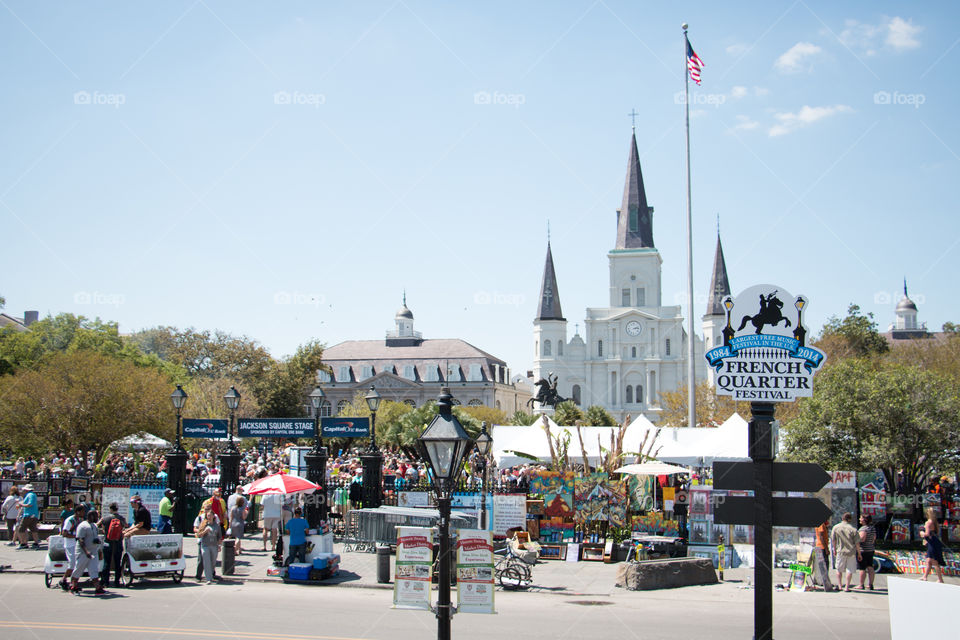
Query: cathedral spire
pixel 549 295
pixel 719 284
pixel 635 217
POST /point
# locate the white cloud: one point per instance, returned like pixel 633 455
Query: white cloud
pixel 893 33
pixel 789 122
pixel 793 60
pixel 744 123
pixel 760 91
pixel 902 35
pixel 737 49
pixel 738 92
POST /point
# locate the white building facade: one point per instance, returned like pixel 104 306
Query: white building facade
pixel 635 348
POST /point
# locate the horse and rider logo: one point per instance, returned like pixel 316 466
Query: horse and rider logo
pixel 766 357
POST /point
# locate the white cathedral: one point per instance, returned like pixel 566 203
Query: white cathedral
pixel 635 348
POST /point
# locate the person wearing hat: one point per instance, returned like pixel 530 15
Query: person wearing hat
pixel 31 515
pixel 141 518
pixel 166 512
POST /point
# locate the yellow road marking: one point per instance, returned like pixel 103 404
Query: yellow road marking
pixel 79 626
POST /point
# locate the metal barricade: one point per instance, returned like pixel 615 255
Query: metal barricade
pixel 379 526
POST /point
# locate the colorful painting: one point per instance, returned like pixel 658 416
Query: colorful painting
pixel 900 530
pixel 598 498
pixel 556 530
pixel 873 494
pixel 916 561
pixel 641 492
pixel 952 531
pixel 653 523
pixel 557 491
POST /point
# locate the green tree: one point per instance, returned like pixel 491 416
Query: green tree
pixel 82 400
pixel 855 336
pixel 486 414
pixel 204 353
pixel 403 433
pixel 871 415
pixel 951 328
pixel 388 416
pixel 67 333
pixel 567 414
pixel 522 418
pixel 282 388
pixel 597 416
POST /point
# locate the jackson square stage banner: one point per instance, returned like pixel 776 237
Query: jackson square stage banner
pixel 411 584
pixel 765 357
pixel 475 571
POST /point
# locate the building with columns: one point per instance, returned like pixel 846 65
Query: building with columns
pixel 634 348
pixel 406 367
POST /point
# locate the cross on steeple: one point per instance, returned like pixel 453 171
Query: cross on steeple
pixel 633 118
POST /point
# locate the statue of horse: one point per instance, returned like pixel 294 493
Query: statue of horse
pixel 770 314
pixel 546 394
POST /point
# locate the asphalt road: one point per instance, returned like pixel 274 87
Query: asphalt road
pixel 258 611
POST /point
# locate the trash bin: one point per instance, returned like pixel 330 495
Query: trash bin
pixel 383 564
pixel 228 557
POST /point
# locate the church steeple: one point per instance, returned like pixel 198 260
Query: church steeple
pixel 549 308
pixel 719 284
pixel 635 217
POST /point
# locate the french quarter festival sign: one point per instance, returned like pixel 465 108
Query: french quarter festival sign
pixel 764 356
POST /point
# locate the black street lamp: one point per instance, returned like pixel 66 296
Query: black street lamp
pixel 372 459
pixel 177 466
pixel 317 465
pixel 179 399
pixel 484 445
pixel 444 445
pixel 230 459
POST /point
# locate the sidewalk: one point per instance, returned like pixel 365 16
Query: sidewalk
pixel 359 570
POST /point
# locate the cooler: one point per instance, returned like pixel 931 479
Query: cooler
pixel 299 571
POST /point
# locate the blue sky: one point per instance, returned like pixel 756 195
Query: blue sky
pixel 286 170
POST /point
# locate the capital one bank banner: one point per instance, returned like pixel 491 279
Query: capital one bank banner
pixel 764 356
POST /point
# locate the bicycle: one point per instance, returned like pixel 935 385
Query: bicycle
pixel 511 570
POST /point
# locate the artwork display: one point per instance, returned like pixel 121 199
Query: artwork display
pixel 557 491
pixel 598 498
pixel 900 530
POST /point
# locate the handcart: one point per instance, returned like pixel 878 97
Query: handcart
pixel 152 556
pixel 55 564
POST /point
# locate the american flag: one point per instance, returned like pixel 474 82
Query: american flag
pixel 694 63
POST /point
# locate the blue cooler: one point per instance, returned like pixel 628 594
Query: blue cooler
pixel 326 560
pixel 299 571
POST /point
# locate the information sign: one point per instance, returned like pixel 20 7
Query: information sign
pixel 345 427
pixel 475 571
pixel 275 427
pixel 411 582
pixel 203 428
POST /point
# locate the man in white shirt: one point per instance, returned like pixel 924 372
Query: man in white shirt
pixel 272 512
pixel 69 533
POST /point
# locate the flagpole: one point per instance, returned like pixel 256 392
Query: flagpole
pixel 691 378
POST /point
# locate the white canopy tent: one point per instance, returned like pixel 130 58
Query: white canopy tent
pixel 683 446
pixel 142 441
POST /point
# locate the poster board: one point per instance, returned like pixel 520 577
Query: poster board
pixel 411 582
pixel 413 499
pixel 120 495
pixel 150 496
pixel 509 511
pixel 475 573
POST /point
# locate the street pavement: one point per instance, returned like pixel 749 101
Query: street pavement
pixel 569 600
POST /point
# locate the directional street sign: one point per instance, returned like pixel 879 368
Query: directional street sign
pixel 787 476
pixel 787 512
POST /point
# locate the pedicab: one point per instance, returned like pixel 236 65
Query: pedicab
pixel 55 563
pixel 152 556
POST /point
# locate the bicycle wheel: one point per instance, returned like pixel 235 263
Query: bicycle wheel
pixel 511 578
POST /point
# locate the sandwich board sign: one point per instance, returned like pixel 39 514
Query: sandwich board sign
pixel 764 356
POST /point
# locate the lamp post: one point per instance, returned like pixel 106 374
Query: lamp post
pixel 317 465
pixel 484 444
pixel 230 459
pixel 444 444
pixel 372 459
pixel 177 466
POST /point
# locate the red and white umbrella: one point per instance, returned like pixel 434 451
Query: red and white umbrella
pixel 279 483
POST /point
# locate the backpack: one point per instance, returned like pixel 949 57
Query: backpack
pixel 115 530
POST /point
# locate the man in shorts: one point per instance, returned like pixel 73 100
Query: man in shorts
pixel 846 549
pixel 31 515
pixel 272 512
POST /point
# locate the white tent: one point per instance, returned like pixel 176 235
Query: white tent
pixel 684 446
pixel 142 441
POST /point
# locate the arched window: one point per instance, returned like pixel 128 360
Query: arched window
pixel 639 394
pixel 667 347
pixel 325 409
pixel 628 396
pixel 536 347
pixel 576 394
pixel 547 348
pixel 633 352
pixel 559 347
pixel 341 407
pixel 410 402
pixel 474 403
pixel 498 405
pixel 599 348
